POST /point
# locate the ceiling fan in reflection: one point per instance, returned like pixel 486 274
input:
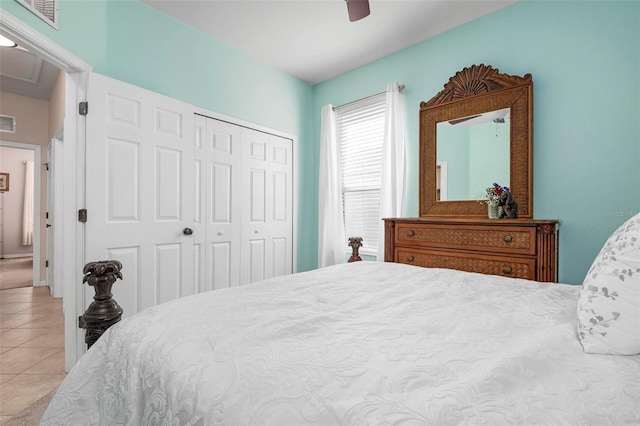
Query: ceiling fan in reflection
pixel 462 120
pixel 357 9
pixel 497 116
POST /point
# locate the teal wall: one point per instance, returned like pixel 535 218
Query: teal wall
pixel 176 60
pixel 476 157
pixel 490 152
pixel 173 59
pixel 584 57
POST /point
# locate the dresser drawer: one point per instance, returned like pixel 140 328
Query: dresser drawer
pixel 502 239
pixel 512 267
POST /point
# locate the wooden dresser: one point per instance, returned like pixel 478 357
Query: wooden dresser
pixel 517 248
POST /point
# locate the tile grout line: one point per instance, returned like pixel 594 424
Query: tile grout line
pixel 38 355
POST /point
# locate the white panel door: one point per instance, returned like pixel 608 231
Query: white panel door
pixel 49 220
pixel 140 192
pixel 55 234
pixel 280 213
pixel 267 223
pixel 254 209
pixel 199 208
pixel 219 164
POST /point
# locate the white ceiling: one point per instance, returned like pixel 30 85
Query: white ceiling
pixel 309 39
pixel 313 39
pixel 25 74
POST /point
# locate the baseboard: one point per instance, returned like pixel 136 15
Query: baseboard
pixel 15 256
pixel 41 284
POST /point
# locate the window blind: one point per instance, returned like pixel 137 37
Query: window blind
pixel 360 128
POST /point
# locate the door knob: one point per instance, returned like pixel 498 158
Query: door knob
pixel 187 231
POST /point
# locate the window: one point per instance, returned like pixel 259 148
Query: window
pixel 360 128
pixel 47 10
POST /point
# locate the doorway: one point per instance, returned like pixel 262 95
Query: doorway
pixel 71 187
pixel 20 214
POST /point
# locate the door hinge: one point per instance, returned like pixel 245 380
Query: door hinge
pixel 47 215
pixel 46 263
pixel 82 215
pixel 47 166
pixel 83 108
pixel 80 322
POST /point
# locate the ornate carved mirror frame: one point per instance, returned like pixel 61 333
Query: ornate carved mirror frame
pixel 475 90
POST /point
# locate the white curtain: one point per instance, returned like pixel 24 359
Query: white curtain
pixel 392 186
pixel 331 240
pixel 27 212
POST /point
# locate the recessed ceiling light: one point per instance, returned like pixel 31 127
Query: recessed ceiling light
pixel 5 42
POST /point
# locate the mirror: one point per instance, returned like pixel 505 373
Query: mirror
pixel 471 151
pixel 475 132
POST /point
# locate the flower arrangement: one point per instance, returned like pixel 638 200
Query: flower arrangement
pixel 493 194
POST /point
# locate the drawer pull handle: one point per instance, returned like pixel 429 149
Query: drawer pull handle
pixel 507 238
pixel 410 258
pixel 410 233
pixel 506 270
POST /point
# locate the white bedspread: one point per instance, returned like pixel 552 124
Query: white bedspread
pixel 366 343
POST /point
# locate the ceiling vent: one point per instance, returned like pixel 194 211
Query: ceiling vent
pixel 7 124
pixel 47 10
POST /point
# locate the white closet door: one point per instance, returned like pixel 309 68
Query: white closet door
pixel 139 160
pixel 200 203
pixel 267 225
pixel 280 213
pixel 222 204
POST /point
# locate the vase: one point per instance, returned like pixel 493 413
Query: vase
pixel 492 211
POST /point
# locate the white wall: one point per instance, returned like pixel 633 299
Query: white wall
pixel 56 108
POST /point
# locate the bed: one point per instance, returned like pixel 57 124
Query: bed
pixel 382 343
pixel 365 343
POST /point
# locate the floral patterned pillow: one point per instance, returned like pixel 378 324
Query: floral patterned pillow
pixel 609 304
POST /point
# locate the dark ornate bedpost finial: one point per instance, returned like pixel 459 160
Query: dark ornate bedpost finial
pixel 103 311
pixel 355 243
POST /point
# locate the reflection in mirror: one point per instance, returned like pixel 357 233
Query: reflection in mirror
pixel 472 92
pixel 472 152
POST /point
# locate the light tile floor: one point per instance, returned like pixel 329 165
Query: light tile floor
pixel 31 347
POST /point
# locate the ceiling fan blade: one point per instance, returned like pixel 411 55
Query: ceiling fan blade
pixel 358 9
pixel 462 120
